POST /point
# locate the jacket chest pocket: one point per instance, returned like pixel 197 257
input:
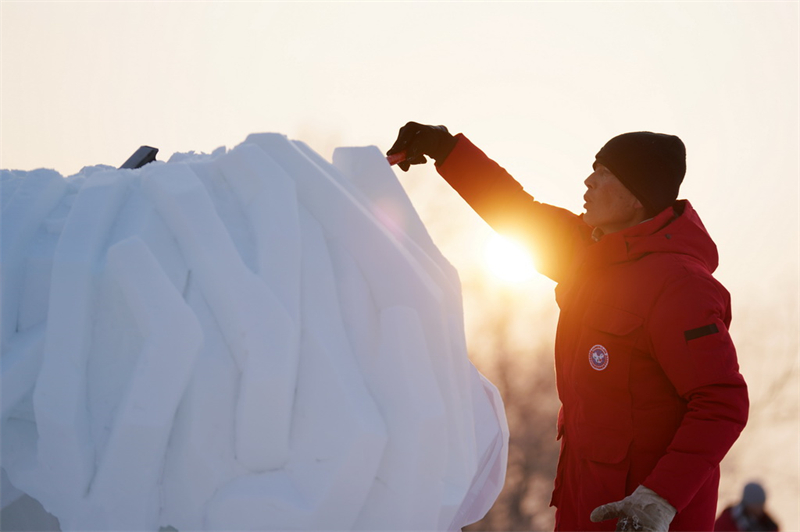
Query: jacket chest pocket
pixel 608 341
pixel 612 327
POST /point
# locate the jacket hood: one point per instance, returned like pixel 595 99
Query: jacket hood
pixel 677 229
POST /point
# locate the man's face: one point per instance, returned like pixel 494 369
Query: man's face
pixel 610 206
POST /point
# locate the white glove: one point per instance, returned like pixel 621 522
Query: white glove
pixel 643 511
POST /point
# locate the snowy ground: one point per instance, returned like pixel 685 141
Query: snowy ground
pixel 250 339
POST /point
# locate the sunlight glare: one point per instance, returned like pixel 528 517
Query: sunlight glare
pixel 508 260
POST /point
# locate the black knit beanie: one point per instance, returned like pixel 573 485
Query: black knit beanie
pixel 650 165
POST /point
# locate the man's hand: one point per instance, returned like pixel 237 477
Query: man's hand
pixel 418 140
pixel 643 511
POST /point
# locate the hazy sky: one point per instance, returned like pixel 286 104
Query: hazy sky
pixel 540 86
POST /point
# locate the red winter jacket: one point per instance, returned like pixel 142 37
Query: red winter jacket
pixel 646 371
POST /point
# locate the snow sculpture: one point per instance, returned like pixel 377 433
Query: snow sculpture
pixel 252 339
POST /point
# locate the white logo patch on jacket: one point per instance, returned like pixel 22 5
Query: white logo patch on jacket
pixel 598 357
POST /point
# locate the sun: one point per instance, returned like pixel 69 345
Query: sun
pixel 508 260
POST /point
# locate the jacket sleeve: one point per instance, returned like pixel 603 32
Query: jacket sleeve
pixel 555 235
pixel 689 337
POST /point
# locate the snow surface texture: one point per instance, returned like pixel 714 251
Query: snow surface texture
pixel 245 340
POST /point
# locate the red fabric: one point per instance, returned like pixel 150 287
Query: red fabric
pixel 725 522
pixel 653 408
pixel 734 519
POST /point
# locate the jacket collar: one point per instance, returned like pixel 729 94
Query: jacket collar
pixel 677 229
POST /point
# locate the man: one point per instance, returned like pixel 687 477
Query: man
pixel 651 394
pixel 749 514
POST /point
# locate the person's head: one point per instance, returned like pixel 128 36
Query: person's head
pixel 636 176
pixel 753 498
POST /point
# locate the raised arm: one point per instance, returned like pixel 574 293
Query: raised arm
pixel 556 235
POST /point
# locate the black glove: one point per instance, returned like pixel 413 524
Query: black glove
pixel 418 140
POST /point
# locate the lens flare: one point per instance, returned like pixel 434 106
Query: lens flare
pixel 508 260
